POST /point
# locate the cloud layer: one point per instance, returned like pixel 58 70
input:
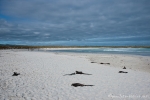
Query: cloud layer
pixel 54 21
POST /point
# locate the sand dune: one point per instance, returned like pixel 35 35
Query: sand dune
pixel 41 77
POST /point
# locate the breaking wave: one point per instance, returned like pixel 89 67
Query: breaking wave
pixel 124 49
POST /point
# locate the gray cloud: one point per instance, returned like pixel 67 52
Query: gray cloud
pixel 64 20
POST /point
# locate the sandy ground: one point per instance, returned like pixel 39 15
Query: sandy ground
pixel 41 76
pixel 133 62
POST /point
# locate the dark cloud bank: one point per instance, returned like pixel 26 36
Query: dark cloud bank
pixel 75 22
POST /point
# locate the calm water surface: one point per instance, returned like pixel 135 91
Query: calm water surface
pixel 132 51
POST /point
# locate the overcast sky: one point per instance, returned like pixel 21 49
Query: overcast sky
pixel 75 22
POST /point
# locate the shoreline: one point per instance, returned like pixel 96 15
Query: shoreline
pixel 7 46
pixel 114 51
pixel 130 61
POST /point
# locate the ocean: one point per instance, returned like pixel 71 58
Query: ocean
pixel 131 51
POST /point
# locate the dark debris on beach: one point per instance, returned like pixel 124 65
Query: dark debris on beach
pixel 79 84
pixel 77 72
pixel 16 74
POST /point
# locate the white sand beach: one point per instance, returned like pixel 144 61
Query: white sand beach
pixel 42 76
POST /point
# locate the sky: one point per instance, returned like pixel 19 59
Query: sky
pixel 75 22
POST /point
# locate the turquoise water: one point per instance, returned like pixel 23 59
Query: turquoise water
pixel 132 51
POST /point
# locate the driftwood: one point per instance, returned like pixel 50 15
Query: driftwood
pixel 16 74
pixel 122 72
pixel 79 84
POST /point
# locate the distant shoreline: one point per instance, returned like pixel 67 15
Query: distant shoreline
pixel 2 46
